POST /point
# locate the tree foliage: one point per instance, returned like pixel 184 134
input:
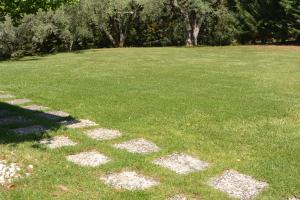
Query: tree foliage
pixel 34 26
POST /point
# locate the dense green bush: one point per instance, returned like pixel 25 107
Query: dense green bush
pixel 115 23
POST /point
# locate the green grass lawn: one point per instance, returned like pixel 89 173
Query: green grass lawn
pixel 234 107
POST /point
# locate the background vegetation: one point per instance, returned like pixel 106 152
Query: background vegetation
pixel 30 27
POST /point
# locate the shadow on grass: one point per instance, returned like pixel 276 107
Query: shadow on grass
pixel 13 119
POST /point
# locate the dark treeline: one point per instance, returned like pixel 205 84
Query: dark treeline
pixel 27 29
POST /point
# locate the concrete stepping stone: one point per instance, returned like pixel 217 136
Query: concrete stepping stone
pixel 103 134
pixel 294 198
pixel 6 96
pixel 178 197
pixel 14 120
pixel 81 123
pixel 8 172
pixel 58 142
pixel 181 163
pixel 129 180
pixel 140 146
pixel 35 107
pixel 54 115
pixel 89 159
pixel 18 101
pixel 238 185
pixel 35 129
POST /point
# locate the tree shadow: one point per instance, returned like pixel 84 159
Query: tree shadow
pixel 18 124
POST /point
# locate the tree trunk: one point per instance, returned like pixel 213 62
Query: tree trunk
pixel 189 34
pixel 196 29
pixel 122 40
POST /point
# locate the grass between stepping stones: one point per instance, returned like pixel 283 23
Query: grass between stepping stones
pixel 234 107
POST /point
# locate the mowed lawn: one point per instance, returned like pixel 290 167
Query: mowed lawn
pixel 233 107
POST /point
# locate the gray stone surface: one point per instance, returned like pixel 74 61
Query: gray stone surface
pixel 129 180
pixel 18 101
pixel 8 172
pixel 294 198
pixel 89 159
pixel 57 142
pixel 81 123
pixel 178 197
pixel 140 146
pixel 6 96
pixel 181 163
pixel 238 185
pixel 35 129
pixel 35 107
pixel 54 115
pixel 103 134
pixel 14 120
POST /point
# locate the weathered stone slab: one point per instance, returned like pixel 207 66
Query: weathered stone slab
pixel 36 129
pixel 140 146
pixel 6 96
pixel 238 185
pixel 129 180
pixel 81 123
pixel 178 197
pixel 89 159
pixel 181 163
pixel 8 172
pixel 35 107
pixel 103 134
pixel 54 115
pixel 18 101
pixel 14 120
pixel 58 142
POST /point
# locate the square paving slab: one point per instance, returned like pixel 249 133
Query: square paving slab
pixel 36 129
pixel 6 96
pixel 54 115
pixel 178 197
pixel 181 163
pixel 18 101
pixel 103 134
pixel 57 142
pixel 141 146
pixel 35 107
pixel 81 123
pixel 129 180
pixel 238 185
pixel 89 159
pixel 14 120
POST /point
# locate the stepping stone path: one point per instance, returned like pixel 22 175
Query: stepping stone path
pixel 35 129
pixel 233 183
pixel 178 197
pixel 35 107
pixel 129 180
pixel 103 134
pixel 58 142
pixel 8 172
pixel 89 159
pixel 181 163
pixel 14 120
pixel 82 123
pixel 18 101
pixel 54 115
pixel 238 185
pixel 6 96
pixel 140 146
